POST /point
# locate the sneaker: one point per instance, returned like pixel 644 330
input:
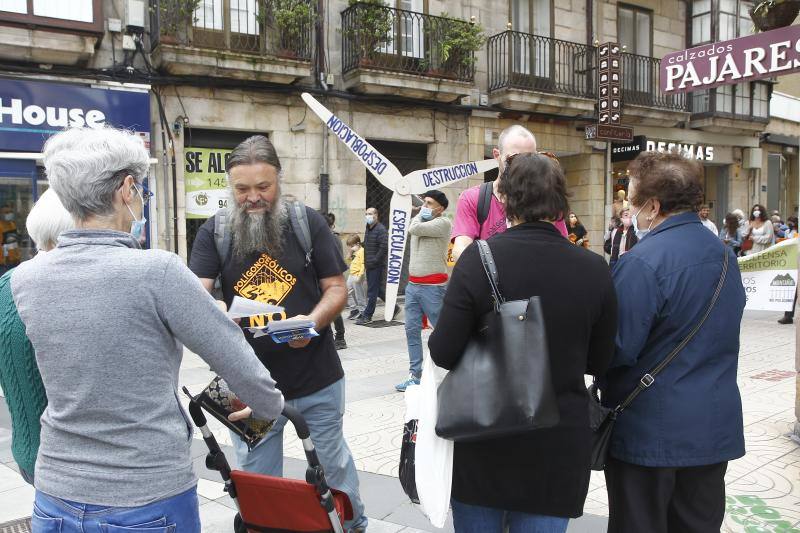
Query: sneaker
pixel 401 387
pixel 340 344
pixel 786 320
pixel 363 320
pixel 353 314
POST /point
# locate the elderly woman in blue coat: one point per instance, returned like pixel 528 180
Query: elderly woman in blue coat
pixel 670 449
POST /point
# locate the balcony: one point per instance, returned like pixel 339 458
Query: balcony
pixel 540 74
pixel 741 109
pixel 643 100
pixel 234 39
pixel 394 51
pixel 60 33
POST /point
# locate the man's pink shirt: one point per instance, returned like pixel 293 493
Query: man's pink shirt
pixel 466 221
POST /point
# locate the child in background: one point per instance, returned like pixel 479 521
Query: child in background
pixel 356 281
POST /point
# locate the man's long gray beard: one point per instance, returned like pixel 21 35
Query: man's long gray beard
pixel 258 233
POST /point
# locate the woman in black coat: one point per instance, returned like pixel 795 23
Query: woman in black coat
pixel 539 478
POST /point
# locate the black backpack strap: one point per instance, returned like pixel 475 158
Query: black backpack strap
pixel 650 378
pixel 299 220
pixel 490 267
pixel 484 202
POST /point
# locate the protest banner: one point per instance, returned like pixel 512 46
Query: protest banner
pixel 770 277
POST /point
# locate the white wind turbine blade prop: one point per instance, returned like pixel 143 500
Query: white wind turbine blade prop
pixel 383 169
pixel 399 219
pixel 420 181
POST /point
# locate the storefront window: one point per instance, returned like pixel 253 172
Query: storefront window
pixel 16 200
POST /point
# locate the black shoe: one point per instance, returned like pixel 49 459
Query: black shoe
pixel 353 314
pixel 396 311
pixel 340 344
pixel 363 320
pixel 786 320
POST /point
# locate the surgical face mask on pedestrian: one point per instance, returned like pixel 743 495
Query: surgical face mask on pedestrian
pixel 756 214
pixel 640 233
pixel 426 213
pixel 137 226
pixel 370 220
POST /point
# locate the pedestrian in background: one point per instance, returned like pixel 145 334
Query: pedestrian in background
pixel 429 237
pixel 621 239
pixel 376 249
pixel 107 321
pixel 703 213
pixel 356 280
pixel 670 448
pixel 19 375
pixel 742 219
pixel 577 233
pixel 538 480
pixel 760 230
pixel 791 227
pixel 338 322
pixel 731 233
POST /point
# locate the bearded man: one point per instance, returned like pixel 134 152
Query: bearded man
pixel 267 262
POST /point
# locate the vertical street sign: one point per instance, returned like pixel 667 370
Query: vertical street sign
pixel 609 97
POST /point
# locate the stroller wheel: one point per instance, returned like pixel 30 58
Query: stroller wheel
pixel 238 524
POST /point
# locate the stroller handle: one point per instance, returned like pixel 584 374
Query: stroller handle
pixel 297 420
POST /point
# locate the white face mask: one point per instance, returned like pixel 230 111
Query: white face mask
pixel 369 219
pixel 639 232
pixel 757 213
pixel 137 226
pixel 8 217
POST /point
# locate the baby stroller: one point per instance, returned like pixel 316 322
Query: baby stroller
pixel 273 504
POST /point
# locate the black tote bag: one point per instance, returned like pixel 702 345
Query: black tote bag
pixel 502 385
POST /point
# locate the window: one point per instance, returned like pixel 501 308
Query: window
pixel 532 45
pixel 407 35
pixel 209 16
pixel 76 15
pixel 760 100
pixel 701 21
pixel 701 101
pixel 635 30
pixel 724 102
pixel 742 99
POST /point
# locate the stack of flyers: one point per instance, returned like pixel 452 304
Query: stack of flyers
pixel 283 331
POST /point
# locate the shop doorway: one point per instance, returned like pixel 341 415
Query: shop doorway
pixel 21 184
pixel 717 188
pixel 775 172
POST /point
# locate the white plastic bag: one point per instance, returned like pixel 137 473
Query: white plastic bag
pixel 434 455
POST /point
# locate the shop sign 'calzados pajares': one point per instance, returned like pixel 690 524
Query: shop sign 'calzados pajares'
pixel 753 57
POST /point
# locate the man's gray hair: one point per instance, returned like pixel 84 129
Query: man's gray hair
pixel 47 220
pixel 253 150
pixel 512 131
pixel 86 166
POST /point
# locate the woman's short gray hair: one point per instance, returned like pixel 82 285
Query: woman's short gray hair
pixel 47 220
pixel 86 166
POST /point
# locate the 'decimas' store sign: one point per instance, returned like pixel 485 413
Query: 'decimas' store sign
pixel 763 55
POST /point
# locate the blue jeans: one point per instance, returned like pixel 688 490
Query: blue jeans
pixel 375 290
pixel 420 300
pixel 177 514
pixel 323 411
pixel 476 519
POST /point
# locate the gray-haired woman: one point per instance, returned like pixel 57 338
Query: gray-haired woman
pixel 107 320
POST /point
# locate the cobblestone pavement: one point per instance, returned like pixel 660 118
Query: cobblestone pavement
pixel 763 491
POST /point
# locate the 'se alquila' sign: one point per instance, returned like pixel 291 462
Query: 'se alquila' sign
pixel 748 58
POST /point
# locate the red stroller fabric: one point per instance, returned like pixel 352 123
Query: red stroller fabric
pixel 275 503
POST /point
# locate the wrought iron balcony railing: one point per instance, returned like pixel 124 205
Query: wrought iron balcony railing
pixel 260 27
pixel 641 84
pixel 524 61
pixel 385 38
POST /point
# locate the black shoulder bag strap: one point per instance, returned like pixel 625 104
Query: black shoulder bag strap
pixel 490 267
pixel 484 202
pixel 650 378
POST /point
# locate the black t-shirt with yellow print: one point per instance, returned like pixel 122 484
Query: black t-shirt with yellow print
pixel 284 281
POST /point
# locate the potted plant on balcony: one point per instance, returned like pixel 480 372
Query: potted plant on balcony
pixel 456 42
pixel 293 21
pixel 371 30
pixel 772 14
pixel 175 17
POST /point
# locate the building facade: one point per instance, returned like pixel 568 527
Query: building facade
pixel 404 77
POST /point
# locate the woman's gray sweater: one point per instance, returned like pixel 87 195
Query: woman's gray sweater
pixel 107 321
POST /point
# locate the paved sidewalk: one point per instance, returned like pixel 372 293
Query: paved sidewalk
pixel 763 492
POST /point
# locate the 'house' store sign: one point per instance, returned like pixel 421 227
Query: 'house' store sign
pixel 753 57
